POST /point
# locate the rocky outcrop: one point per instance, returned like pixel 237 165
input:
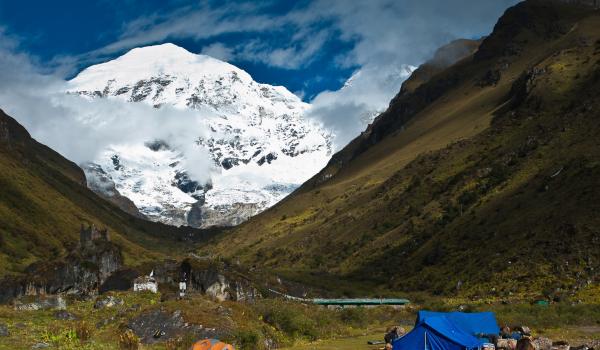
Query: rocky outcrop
pixel 160 325
pixel 216 279
pixel 222 286
pixel 41 303
pixel 81 273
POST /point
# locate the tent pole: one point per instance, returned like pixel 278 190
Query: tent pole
pixel 425 340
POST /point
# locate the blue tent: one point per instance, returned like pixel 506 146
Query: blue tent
pixel 448 331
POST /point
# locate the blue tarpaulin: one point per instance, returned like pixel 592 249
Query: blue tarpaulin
pixel 448 331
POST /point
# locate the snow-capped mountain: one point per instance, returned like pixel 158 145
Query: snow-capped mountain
pixel 254 137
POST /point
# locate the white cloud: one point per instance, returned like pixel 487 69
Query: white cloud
pixel 218 50
pixel 385 35
pixel 79 128
pixel 388 34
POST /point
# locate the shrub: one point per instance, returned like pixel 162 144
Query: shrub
pixel 354 316
pixel 248 340
pixel 128 340
pixel 291 320
pixel 83 331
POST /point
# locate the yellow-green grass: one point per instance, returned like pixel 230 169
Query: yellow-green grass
pixel 346 343
pixel 289 324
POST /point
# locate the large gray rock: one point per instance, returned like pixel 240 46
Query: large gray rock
pixel 108 301
pixel 64 315
pixel 160 325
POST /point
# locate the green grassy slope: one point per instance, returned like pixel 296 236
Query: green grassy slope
pixel 44 200
pixel 484 173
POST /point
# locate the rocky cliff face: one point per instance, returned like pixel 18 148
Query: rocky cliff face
pixel 81 273
pixel 254 136
pixel 216 279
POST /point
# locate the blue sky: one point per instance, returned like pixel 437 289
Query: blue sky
pixel 308 46
pixel 312 47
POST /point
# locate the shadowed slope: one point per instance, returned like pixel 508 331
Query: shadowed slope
pixel 44 200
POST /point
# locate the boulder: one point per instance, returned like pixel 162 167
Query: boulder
pixel 160 325
pixel 524 330
pixel 543 343
pixel 506 344
pixel 561 345
pixel 64 315
pixel 525 343
pixel 108 301
pixel 40 345
pixel 4 330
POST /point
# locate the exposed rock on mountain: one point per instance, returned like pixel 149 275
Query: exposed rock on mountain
pixel 80 273
pixel 255 135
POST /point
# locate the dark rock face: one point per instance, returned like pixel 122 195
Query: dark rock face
pixel 120 280
pixel 229 163
pixel 116 162
pixel 103 185
pixel 219 282
pixel 268 158
pixel 157 145
pixel 183 182
pixel 160 325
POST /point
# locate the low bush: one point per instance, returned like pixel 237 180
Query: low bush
pixel 128 340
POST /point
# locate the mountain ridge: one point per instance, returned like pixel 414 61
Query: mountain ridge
pixel 447 191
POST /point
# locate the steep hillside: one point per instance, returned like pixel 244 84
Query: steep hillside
pixel 479 178
pixel 44 201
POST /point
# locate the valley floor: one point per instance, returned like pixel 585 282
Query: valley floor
pixel 290 325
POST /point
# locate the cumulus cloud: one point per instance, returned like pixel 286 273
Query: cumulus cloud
pixel 388 35
pixel 79 128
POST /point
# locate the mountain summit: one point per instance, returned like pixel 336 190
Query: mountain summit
pixel 254 136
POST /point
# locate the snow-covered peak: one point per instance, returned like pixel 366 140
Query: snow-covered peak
pixel 256 136
pixel 144 62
